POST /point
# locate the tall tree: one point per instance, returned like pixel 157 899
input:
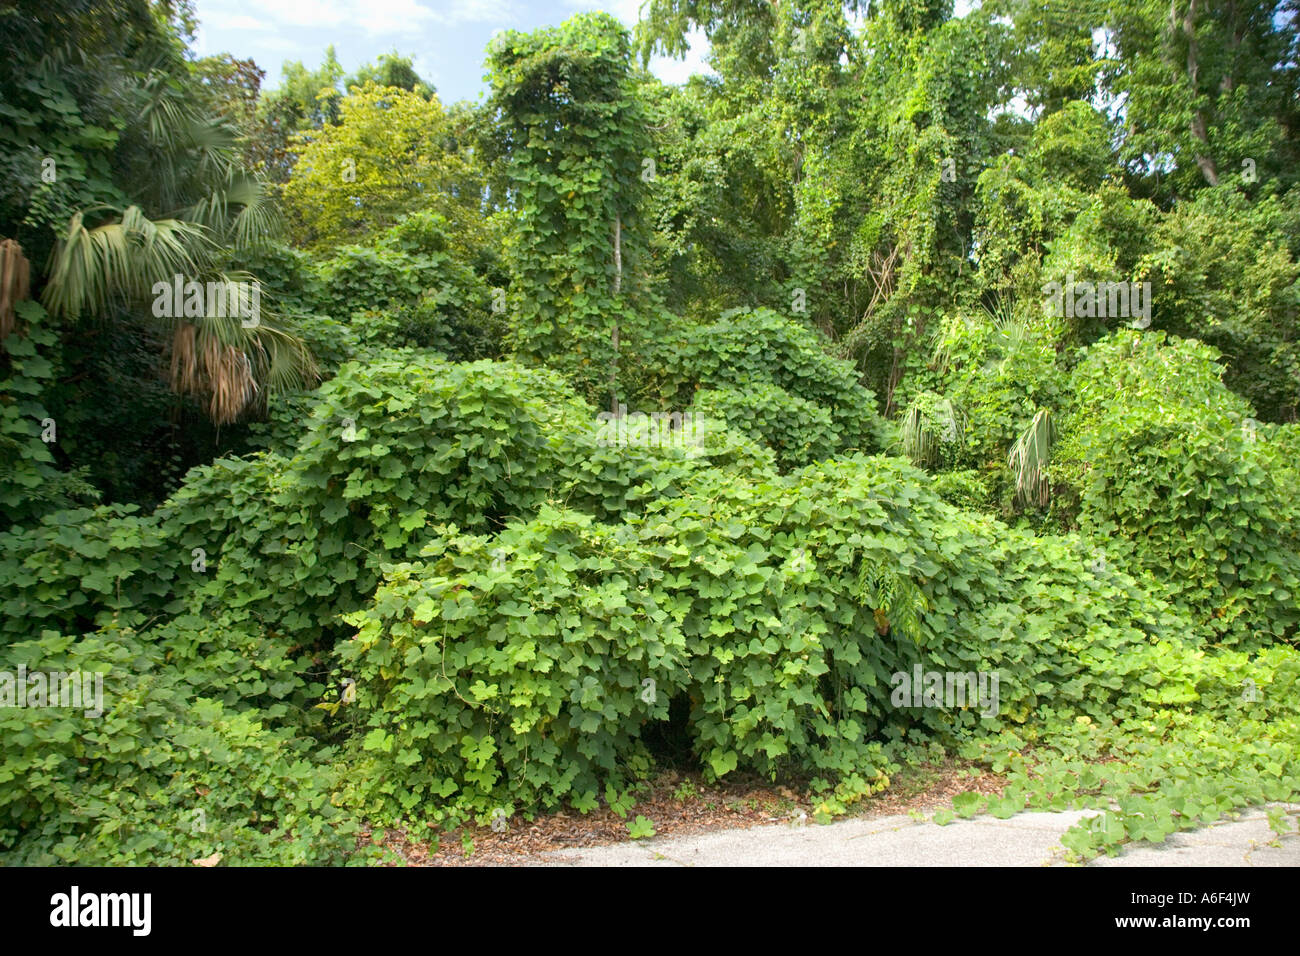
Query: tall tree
pixel 579 152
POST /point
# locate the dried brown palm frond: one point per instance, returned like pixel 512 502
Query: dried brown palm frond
pixel 233 388
pixel 184 365
pixel 217 373
pixel 15 279
pixel 230 367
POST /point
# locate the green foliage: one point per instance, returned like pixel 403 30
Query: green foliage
pixel 439 588
pixel 1235 288
pixel 30 482
pixel 390 153
pixel 408 288
pixel 998 368
pixel 1175 476
pixel 81 569
pixel 798 431
pixel 390 70
pixel 524 664
pixel 745 348
pixel 576 134
pixel 162 776
pixel 392 448
pixel 933 430
pixel 1029 458
pixel 1205 85
pixel 304 100
pixel 1174 760
pixel 610 473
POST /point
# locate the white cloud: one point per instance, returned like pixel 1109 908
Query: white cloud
pixel 236 21
pixel 679 71
pixel 627 11
pixel 476 11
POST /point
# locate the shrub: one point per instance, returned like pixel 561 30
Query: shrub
pixel 1179 486
pixel 520 669
pixel 610 478
pixel 30 481
pixel 407 290
pixel 747 347
pixel 798 431
pixel 84 568
pixel 987 377
pixel 392 448
pixel 163 776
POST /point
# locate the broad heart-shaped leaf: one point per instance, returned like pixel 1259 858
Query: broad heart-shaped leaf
pixel 1081 840
pixel 641 828
pixel 1006 807
pixel 968 804
pixel 722 762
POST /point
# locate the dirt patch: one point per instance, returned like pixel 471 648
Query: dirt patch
pixel 679 804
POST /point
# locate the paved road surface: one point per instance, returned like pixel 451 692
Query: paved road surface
pixel 1027 839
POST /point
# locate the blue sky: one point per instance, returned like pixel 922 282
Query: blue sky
pixel 447 38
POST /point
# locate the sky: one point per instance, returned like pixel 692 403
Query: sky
pixel 446 38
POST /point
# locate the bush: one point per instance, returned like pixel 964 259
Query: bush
pixel 613 471
pixel 988 375
pixel 391 449
pixel 30 481
pixel 798 431
pixel 521 669
pixel 407 290
pixel 80 569
pixel 745 348
pixel 1180 485
pixel 163 776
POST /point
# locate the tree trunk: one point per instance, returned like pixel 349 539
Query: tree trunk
pixel 1204 161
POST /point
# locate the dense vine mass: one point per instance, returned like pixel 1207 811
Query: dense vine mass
pixel 915 387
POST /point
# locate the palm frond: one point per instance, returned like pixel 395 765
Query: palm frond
pixel 90 269
pixel 931 425
pixel 241 211
pixel 232 379
pixel 231 367
pixel 15 282
pixel 1029 458
pixel 1011 324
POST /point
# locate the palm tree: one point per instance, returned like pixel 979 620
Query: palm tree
pixel 216 206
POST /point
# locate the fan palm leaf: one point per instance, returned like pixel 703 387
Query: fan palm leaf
pixel 931 424
pixel 93 268
pixel 230 366
pixel 1028 460
pixel 240 211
